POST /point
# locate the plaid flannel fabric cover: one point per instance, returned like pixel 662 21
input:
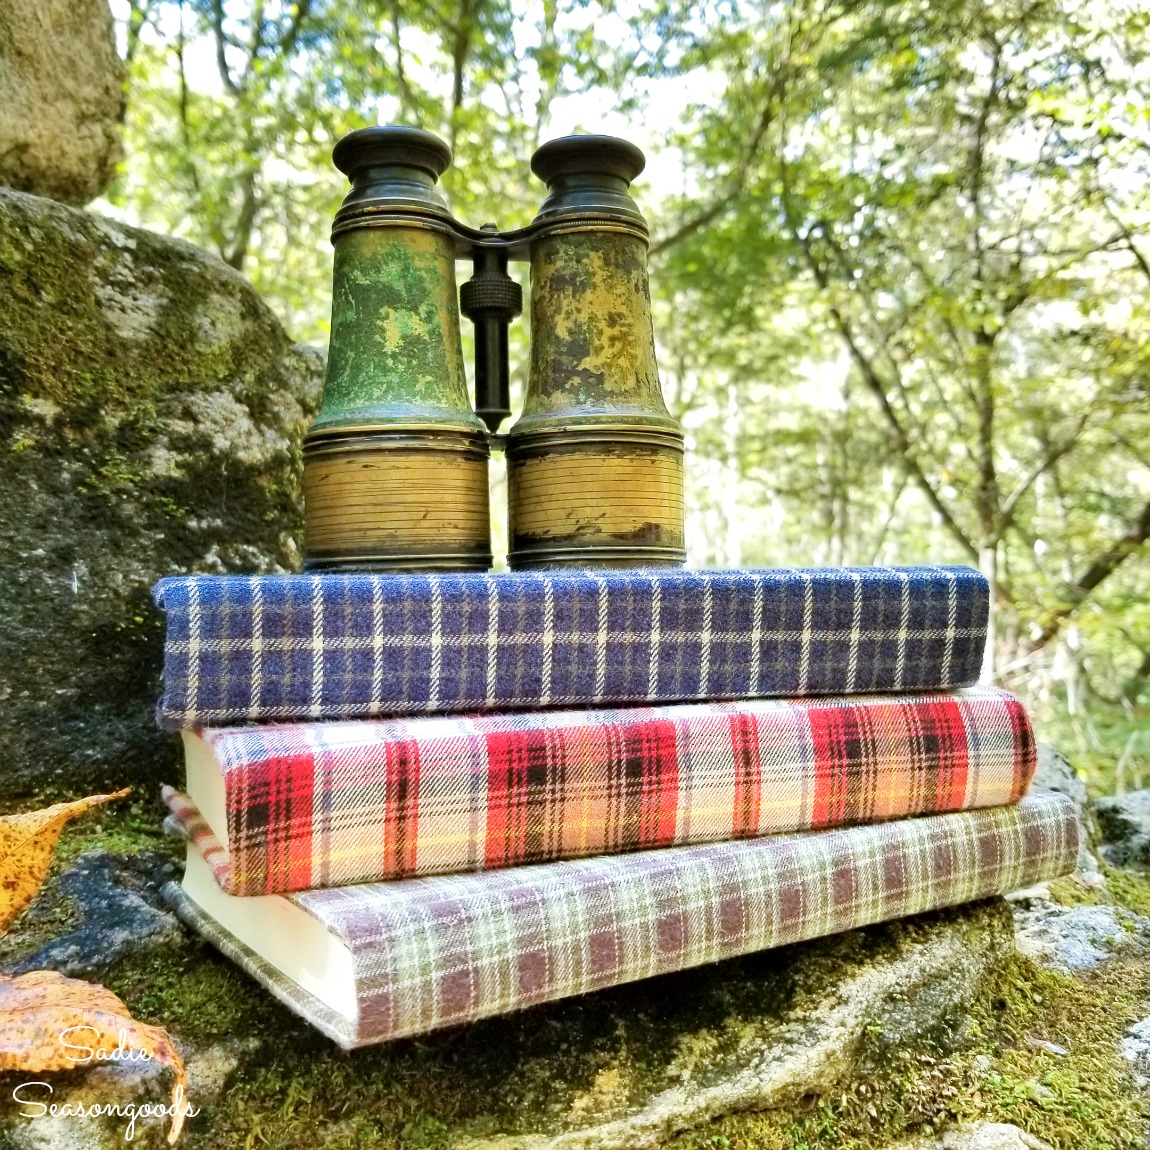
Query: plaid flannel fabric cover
pixel 328 804
pixel 434 952
pixel 352 646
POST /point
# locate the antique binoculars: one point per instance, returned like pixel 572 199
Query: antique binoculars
pixel 395 463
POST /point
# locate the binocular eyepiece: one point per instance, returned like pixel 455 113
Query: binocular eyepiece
pixel 395 463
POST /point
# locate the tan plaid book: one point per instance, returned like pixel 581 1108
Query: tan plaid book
pixel 369 963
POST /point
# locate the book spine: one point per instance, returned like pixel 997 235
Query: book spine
pixel 353 646
pixel 315 805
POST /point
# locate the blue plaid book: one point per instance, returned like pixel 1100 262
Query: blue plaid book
pixel 351 646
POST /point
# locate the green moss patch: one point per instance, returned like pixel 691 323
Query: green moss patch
pixel 1081 1100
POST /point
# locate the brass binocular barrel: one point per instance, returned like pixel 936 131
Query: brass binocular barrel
pixel 395 463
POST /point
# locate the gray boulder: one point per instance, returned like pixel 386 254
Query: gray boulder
pixel 1124 824
pixel 115 900
pixel 61 95
pixel 1054 772
pixel 150 414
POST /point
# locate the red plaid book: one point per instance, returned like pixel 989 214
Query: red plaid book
pixel 308 805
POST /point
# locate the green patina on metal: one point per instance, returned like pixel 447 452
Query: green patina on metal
pixel 396 357
pixel 593 350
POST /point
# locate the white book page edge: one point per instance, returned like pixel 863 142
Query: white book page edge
pixel 282 934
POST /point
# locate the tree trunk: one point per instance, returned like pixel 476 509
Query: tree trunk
pixel 988 565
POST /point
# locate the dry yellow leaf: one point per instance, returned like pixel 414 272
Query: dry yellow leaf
pixel 26 845
pixel 50 1022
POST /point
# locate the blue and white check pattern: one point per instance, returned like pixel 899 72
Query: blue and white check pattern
pixel 343 646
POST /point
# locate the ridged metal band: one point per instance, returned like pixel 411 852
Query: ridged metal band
pixel 596 497
pixel 386 213
pixel 560 226
pixel 544 558
pixel 424 561
pixel 404 500
pixel 389 437
pixel 389 216
pixel 520 444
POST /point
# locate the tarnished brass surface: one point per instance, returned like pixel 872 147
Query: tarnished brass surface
pixel 606 500
pixel 396 356
pixel 592 343
pixel 397 502
pixel 595 463
pixel 395 463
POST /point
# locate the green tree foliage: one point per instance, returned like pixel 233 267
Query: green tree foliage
pixel 901 287
pixel 921 267
pixel 234 106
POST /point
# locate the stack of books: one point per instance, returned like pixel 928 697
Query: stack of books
pixel 417 800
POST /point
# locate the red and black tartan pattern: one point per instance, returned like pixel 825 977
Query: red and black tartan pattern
pixel 330 804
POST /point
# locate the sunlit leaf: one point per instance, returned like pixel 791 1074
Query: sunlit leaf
pixel 50 1022
pixel 26 844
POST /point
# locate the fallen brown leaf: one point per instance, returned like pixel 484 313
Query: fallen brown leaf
pixel 26 845
pixel 50 1022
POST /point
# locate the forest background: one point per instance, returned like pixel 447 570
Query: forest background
pixel 900 262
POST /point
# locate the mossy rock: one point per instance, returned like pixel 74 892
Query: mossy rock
pixel 151 408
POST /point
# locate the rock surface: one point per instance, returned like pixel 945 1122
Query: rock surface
pixel 1055 773
pixel 984 1136
pixel 116 899
pixel 1136 1049
pixel 150 412
pixel 1075 939
pixel 61 94
pixel 130 1090
pixel 847 1004
pixel 623 1069
pixel 1124 824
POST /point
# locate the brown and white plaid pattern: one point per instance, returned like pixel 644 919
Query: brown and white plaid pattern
pixel 439 951
pixel 329 804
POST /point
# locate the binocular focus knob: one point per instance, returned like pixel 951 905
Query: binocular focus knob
pixel 497 294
